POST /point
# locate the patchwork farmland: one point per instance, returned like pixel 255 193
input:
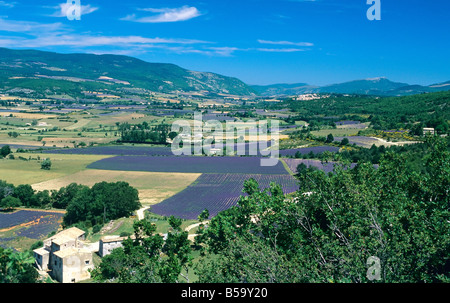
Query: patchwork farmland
pixel 213 183
pixel 218 188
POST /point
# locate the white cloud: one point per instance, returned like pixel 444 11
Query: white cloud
pixel 63 7
pixel 7 4
pixel 165 15
pixel 280 50
pixel 224 51
pixel 285 43
pixel 76 40
pixel 42 35
pixel 28 27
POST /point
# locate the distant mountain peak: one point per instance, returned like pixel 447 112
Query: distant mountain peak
pixel 381 86
pixel 377 79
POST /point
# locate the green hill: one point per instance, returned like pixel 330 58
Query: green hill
pixel 123 70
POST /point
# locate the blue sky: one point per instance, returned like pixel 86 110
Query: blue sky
pixel 260 42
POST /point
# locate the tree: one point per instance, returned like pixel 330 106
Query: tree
pixel 13 134
pixel 114 200
pixel 25 194
pixel 10 202
pixel 173 135
pixel 78 207
pixel 204 215
pixel 344 141
pixel 64 196
pixel 99 204
pixel 17 267
pixel 148 258
pixel 6 189
pixel 46 164
pixel 42 199
pixel 330 138
pixel 417 129
pixel 393 213
pixel 5 150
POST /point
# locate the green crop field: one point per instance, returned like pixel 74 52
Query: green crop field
pixel 338 132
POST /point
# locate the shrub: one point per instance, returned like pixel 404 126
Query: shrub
pixel 46 164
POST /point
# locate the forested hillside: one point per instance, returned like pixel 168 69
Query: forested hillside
pixel 432 110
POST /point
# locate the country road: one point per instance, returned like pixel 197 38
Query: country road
pixel 140 212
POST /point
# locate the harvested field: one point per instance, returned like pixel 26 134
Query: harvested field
pixel 153 187
pixel 27 115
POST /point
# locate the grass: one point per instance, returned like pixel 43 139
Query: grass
pixel 118 226
pixel 21 244
pixel 287 167
pixel 338 132
pixel 78 125
pixel 126 225
pixel 29 172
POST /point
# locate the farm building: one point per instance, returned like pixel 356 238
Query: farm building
pixel 107 244
pixel 64 257
pixel 71 265
pixel 428 131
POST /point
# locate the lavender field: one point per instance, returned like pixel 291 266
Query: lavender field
pixel 16 218
pixel 253 149
pixel 29 224
pixel 29 147
pixel 307 150
pixel 42 227
pixel 326 167
pixel 216 192
pixel 116 150
pixel 189 164
pixel 351 124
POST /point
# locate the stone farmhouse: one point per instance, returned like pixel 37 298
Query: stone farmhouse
pixel 64 257
pixel 108 243
pixel 67 258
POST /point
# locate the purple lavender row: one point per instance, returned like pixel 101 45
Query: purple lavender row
pixel 189 164
pixel 216 192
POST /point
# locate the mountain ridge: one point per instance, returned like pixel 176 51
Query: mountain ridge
pixel 163 77
pixel 372 86
pixel 110 69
